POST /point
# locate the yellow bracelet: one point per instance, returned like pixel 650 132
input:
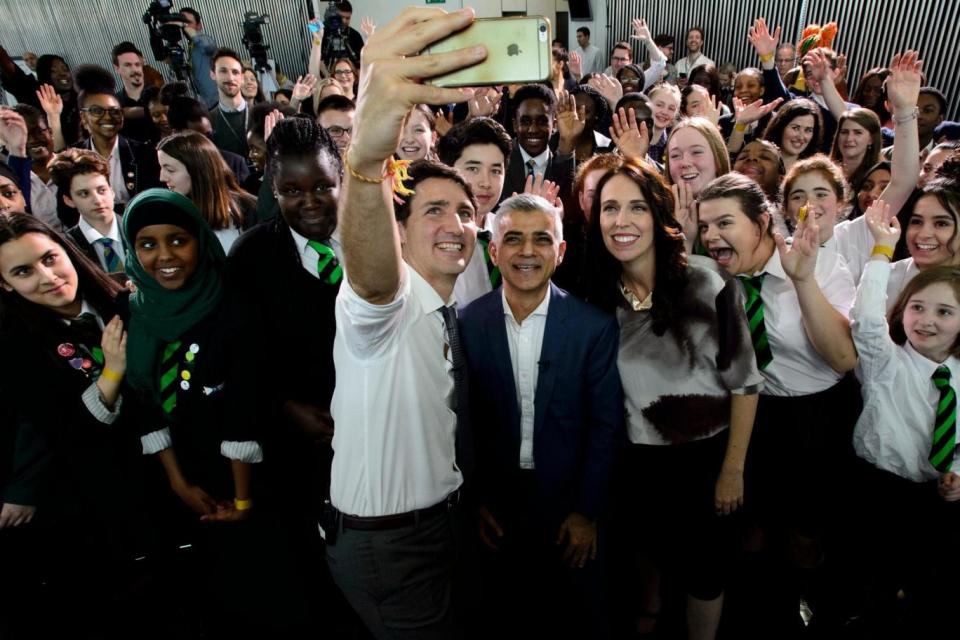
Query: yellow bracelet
pixel 881 250
pixel 111 375
pixel 396 169
pixel 242 505
pixel 740 127
pixel 766 57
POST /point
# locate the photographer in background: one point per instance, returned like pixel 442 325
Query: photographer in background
pixel 340 40
pixel 128 63
pixel 201 49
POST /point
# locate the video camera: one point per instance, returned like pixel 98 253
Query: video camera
pixel 336 43
pixel 253 39
pixel 166 35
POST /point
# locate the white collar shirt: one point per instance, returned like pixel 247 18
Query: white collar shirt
pixel 895 428
pixel 93 237
pixel 901 272
pixel 309 257
pixel 43 200
pixel 525 341
pixel 797 369
pixel 475 279
pixel 120 193
pixel 394 445
pixel 685 66
pixel 539 162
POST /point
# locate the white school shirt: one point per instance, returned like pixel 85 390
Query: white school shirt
pixel 895 429
pixel 43 201
pixel 120 193
pixel 309 257
pixel 855 243
pixel 797 369
pixel 394 445
pixel 475 280
pixel 525 342
pixel 901 272
pixel 539 162
pixel 92 236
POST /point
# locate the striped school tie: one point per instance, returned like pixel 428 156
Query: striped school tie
pixel 169 376
pixel 531 167
pixel 328 267
pixel 110 256
pixel 758 329
pixel 945 426
pixel 485 237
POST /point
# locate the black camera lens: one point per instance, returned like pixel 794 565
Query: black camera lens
pixel 543 28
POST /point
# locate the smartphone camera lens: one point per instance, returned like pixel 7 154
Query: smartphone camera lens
pixel 543 28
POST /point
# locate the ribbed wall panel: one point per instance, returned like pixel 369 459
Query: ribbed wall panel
pixel 870 31
pixel 85 31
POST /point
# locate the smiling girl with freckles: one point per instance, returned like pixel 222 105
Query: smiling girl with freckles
pixel 906 437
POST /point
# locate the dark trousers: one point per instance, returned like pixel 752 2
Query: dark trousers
pixel 400 581
pixel 526 587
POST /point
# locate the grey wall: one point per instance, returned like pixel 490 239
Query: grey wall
pixel 870 31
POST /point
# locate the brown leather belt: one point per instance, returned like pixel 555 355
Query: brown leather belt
pixel 398 520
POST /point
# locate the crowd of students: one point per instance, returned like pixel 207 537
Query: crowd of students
pixel 703 382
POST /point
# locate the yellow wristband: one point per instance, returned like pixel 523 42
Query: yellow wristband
pixel 111 375
pixel 242 505
pixel 766 57
pixel 740 127
pixel 881 250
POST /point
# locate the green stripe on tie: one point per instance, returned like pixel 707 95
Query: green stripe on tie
pixel 753 306
pixel 944 444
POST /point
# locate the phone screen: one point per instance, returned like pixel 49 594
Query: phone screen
pixel 518 51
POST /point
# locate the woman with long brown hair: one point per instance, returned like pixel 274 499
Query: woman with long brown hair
pixel 192 166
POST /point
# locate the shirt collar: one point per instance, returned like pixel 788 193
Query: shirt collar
pixel 430 300
pixel 301 241
pixel 926 366
pixel 773 267
pixel 541 309
pixel 113 152
pixel 540 161
pixel 92 235
pixel 86 307
pixel 228 109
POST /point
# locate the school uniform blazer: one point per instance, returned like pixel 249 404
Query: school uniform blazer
pixel 578 404
pixel 290 327
pixel 66 459
pixel 141 170
pixel 560 169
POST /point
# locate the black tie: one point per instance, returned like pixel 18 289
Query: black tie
pixel 461 394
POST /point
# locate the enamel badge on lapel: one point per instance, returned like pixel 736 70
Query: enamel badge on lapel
pixel 66 350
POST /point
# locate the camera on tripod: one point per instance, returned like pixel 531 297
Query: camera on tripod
pixel 165 36
pixel 253 39
pixel 336 43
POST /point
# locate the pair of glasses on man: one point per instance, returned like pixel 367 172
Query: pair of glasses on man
pixel 98 112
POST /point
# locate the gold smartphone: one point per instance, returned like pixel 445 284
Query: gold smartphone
pixel 518 51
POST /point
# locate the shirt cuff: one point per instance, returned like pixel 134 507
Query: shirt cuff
pixel 248 451
pixel 94 404
pixel 156 441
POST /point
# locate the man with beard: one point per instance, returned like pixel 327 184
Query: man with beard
pixel 230 117
pixel 128 62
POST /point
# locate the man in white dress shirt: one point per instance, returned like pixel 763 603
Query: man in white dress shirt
pixel 396 470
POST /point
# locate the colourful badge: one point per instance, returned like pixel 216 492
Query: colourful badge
pixel 184 385
pixel 185 374
pixel 87 363
pixel 194 348
pixel 66 350
pixel 76 363
pixel 189 357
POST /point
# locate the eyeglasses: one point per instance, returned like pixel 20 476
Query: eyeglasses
pixel 620 59
pixel 99 112
pixel 338 132
pixel 785 60
pixel 343 72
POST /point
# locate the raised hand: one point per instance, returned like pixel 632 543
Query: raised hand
pixel 712 110
pixel 800 259
pixel 14 515
pixel 114 345
pixel 270 122
pixel 444 122
pixel 392 79
pixel 546 189
pixel 747 113
pixel 640 30
pixel 903 83
pixel 367 26
pixel 13 132
pixel 570 119
pixel 632 141
pixel 575 64
pixel 685 212
pixel 50 101
pixel 609 88
pixel 841 71
pixel 816 66
pixel 882 224
pixel 762 40
pixel 303 89
pixel 316 29
pixel 484 103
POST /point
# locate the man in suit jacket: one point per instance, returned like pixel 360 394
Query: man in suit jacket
pixel 547 411
pixel 538 114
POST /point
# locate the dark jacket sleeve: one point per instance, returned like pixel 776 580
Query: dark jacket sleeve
pixel 29 464
pixel 773 87
pixel 562 168
pixel 605 416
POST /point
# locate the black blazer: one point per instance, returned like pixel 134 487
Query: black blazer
pixel 578 406
pixel 560 169
pixel 75 235
pixel 290 323
pixel 141 170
